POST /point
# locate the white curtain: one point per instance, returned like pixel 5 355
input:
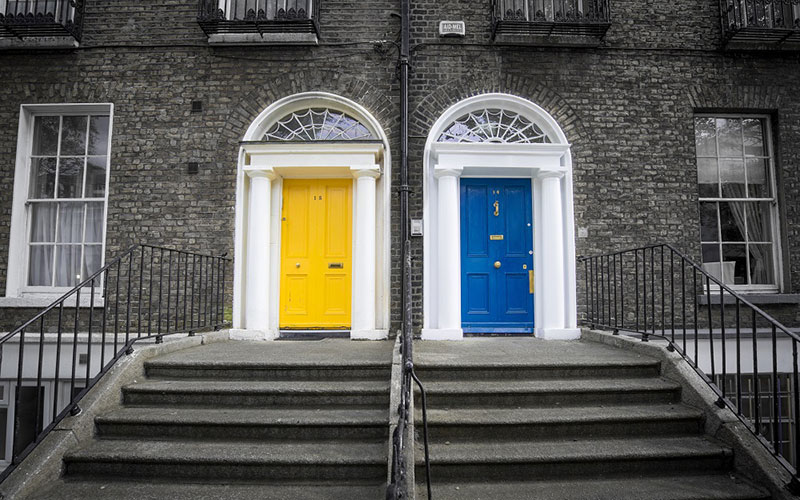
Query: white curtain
pixel 749 214
pixel 43 219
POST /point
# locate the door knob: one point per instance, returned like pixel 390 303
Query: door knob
pixel 297 265
pixel 497 264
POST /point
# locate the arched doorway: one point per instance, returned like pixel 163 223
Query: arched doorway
pixel 510 154
pixel 312 220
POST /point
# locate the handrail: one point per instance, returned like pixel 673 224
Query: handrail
pixel 634 291
pixel 161 291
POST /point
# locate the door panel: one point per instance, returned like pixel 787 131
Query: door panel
pixel 496 230
pixel 316 245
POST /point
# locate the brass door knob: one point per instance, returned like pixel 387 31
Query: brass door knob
pixel 297 265
pixel 497 264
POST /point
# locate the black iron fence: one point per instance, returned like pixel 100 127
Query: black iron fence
pixel 258 16
pixel 36 18
pixel 52 360
pixel 747 357
pixel 559 11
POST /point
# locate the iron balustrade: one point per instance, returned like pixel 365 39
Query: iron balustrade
pixel 147 292
pixel 656 291
pixel 258 16
pixel 764 21
pixel 587 18
pixel 36 18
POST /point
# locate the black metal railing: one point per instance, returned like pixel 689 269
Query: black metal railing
pixel 552 17
pixel 38 18
pixel 147 292
pixel 737 348
pixel 761 21
pixel 258 16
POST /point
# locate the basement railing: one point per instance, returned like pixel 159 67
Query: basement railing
pixel 39 18
pixel 258 16
pixel 769 22
pixel 746 356
pixel 147 292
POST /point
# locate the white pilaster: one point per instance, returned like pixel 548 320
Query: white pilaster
pixel 363 320
pixel 448 273
pixel 552 322
pixel 258 256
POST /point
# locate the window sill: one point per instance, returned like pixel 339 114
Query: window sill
pixel 44 42
pixel 753 298
pixel 44 300
pixel 237 39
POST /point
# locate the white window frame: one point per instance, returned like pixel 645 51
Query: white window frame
pixel 18 293
pixel 774 212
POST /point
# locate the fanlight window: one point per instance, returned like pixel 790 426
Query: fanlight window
pixel 318 124
pixel 494 125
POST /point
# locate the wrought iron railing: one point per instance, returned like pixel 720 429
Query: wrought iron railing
pixel 768 21
pixel 656 291
pixel 401 438
pixel 259 16
pixel 37 18
pixel 147 292
pixel 552 17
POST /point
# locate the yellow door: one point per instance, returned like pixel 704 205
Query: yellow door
pixel 316 245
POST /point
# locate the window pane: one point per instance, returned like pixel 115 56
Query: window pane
pixel 30 416
pixel 68 265
pixel 98 135
pixel 40 266
pixel 709 229
pixel 759 227
pixel 45 136
pixel 70 177
pixel 92 255
pixel 70 222
pixel 73 135
pixel 761 266
pixel 730 136
pixel 732 220
pixel 753 137
pixel 705 137
pixel 731 173
pixel 712 264
pixel 95 178
pixel 3 430
pixel 43 222
pixel 707 177
pixel 733 257
pixel 757 179
pixel 94 222
pixel 43 177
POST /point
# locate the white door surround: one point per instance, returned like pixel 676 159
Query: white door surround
pixel 485 152
pixel 262 167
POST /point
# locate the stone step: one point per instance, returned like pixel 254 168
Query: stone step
pixel 216 393
pixel 537 369
pixel 565 458
pixel 166 368
pixel 568 422
pixel 669 487
pixel 230 461
pixel 549 392
pixel 161 490
pixel 245 423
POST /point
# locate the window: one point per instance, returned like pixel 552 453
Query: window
pixel 738 205
pixel 60 197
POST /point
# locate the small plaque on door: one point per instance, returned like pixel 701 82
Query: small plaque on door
pixel 335 265
pixel 495 237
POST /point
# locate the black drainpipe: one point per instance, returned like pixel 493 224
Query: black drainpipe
pixel 404 189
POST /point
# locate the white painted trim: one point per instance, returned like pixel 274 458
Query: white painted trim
pixel 45 299
pixel 534 161
pixel 18 236
pixel 312 160
pixel 249 39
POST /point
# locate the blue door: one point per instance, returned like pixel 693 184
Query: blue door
pixel 496 256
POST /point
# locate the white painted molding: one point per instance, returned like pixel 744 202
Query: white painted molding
pixel 442 334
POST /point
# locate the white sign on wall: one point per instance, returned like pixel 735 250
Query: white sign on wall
pixel 452 28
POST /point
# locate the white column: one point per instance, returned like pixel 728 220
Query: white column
pixel 364 262
pixel 448 272
pixel 551 277
pixel 256 274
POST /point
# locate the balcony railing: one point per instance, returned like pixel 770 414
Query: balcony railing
pixel 258 16
pixel 766 22
pixel 41 18
pixel 552 18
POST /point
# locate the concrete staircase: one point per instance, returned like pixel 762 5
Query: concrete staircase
pixel 521 419
pixel 285 420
